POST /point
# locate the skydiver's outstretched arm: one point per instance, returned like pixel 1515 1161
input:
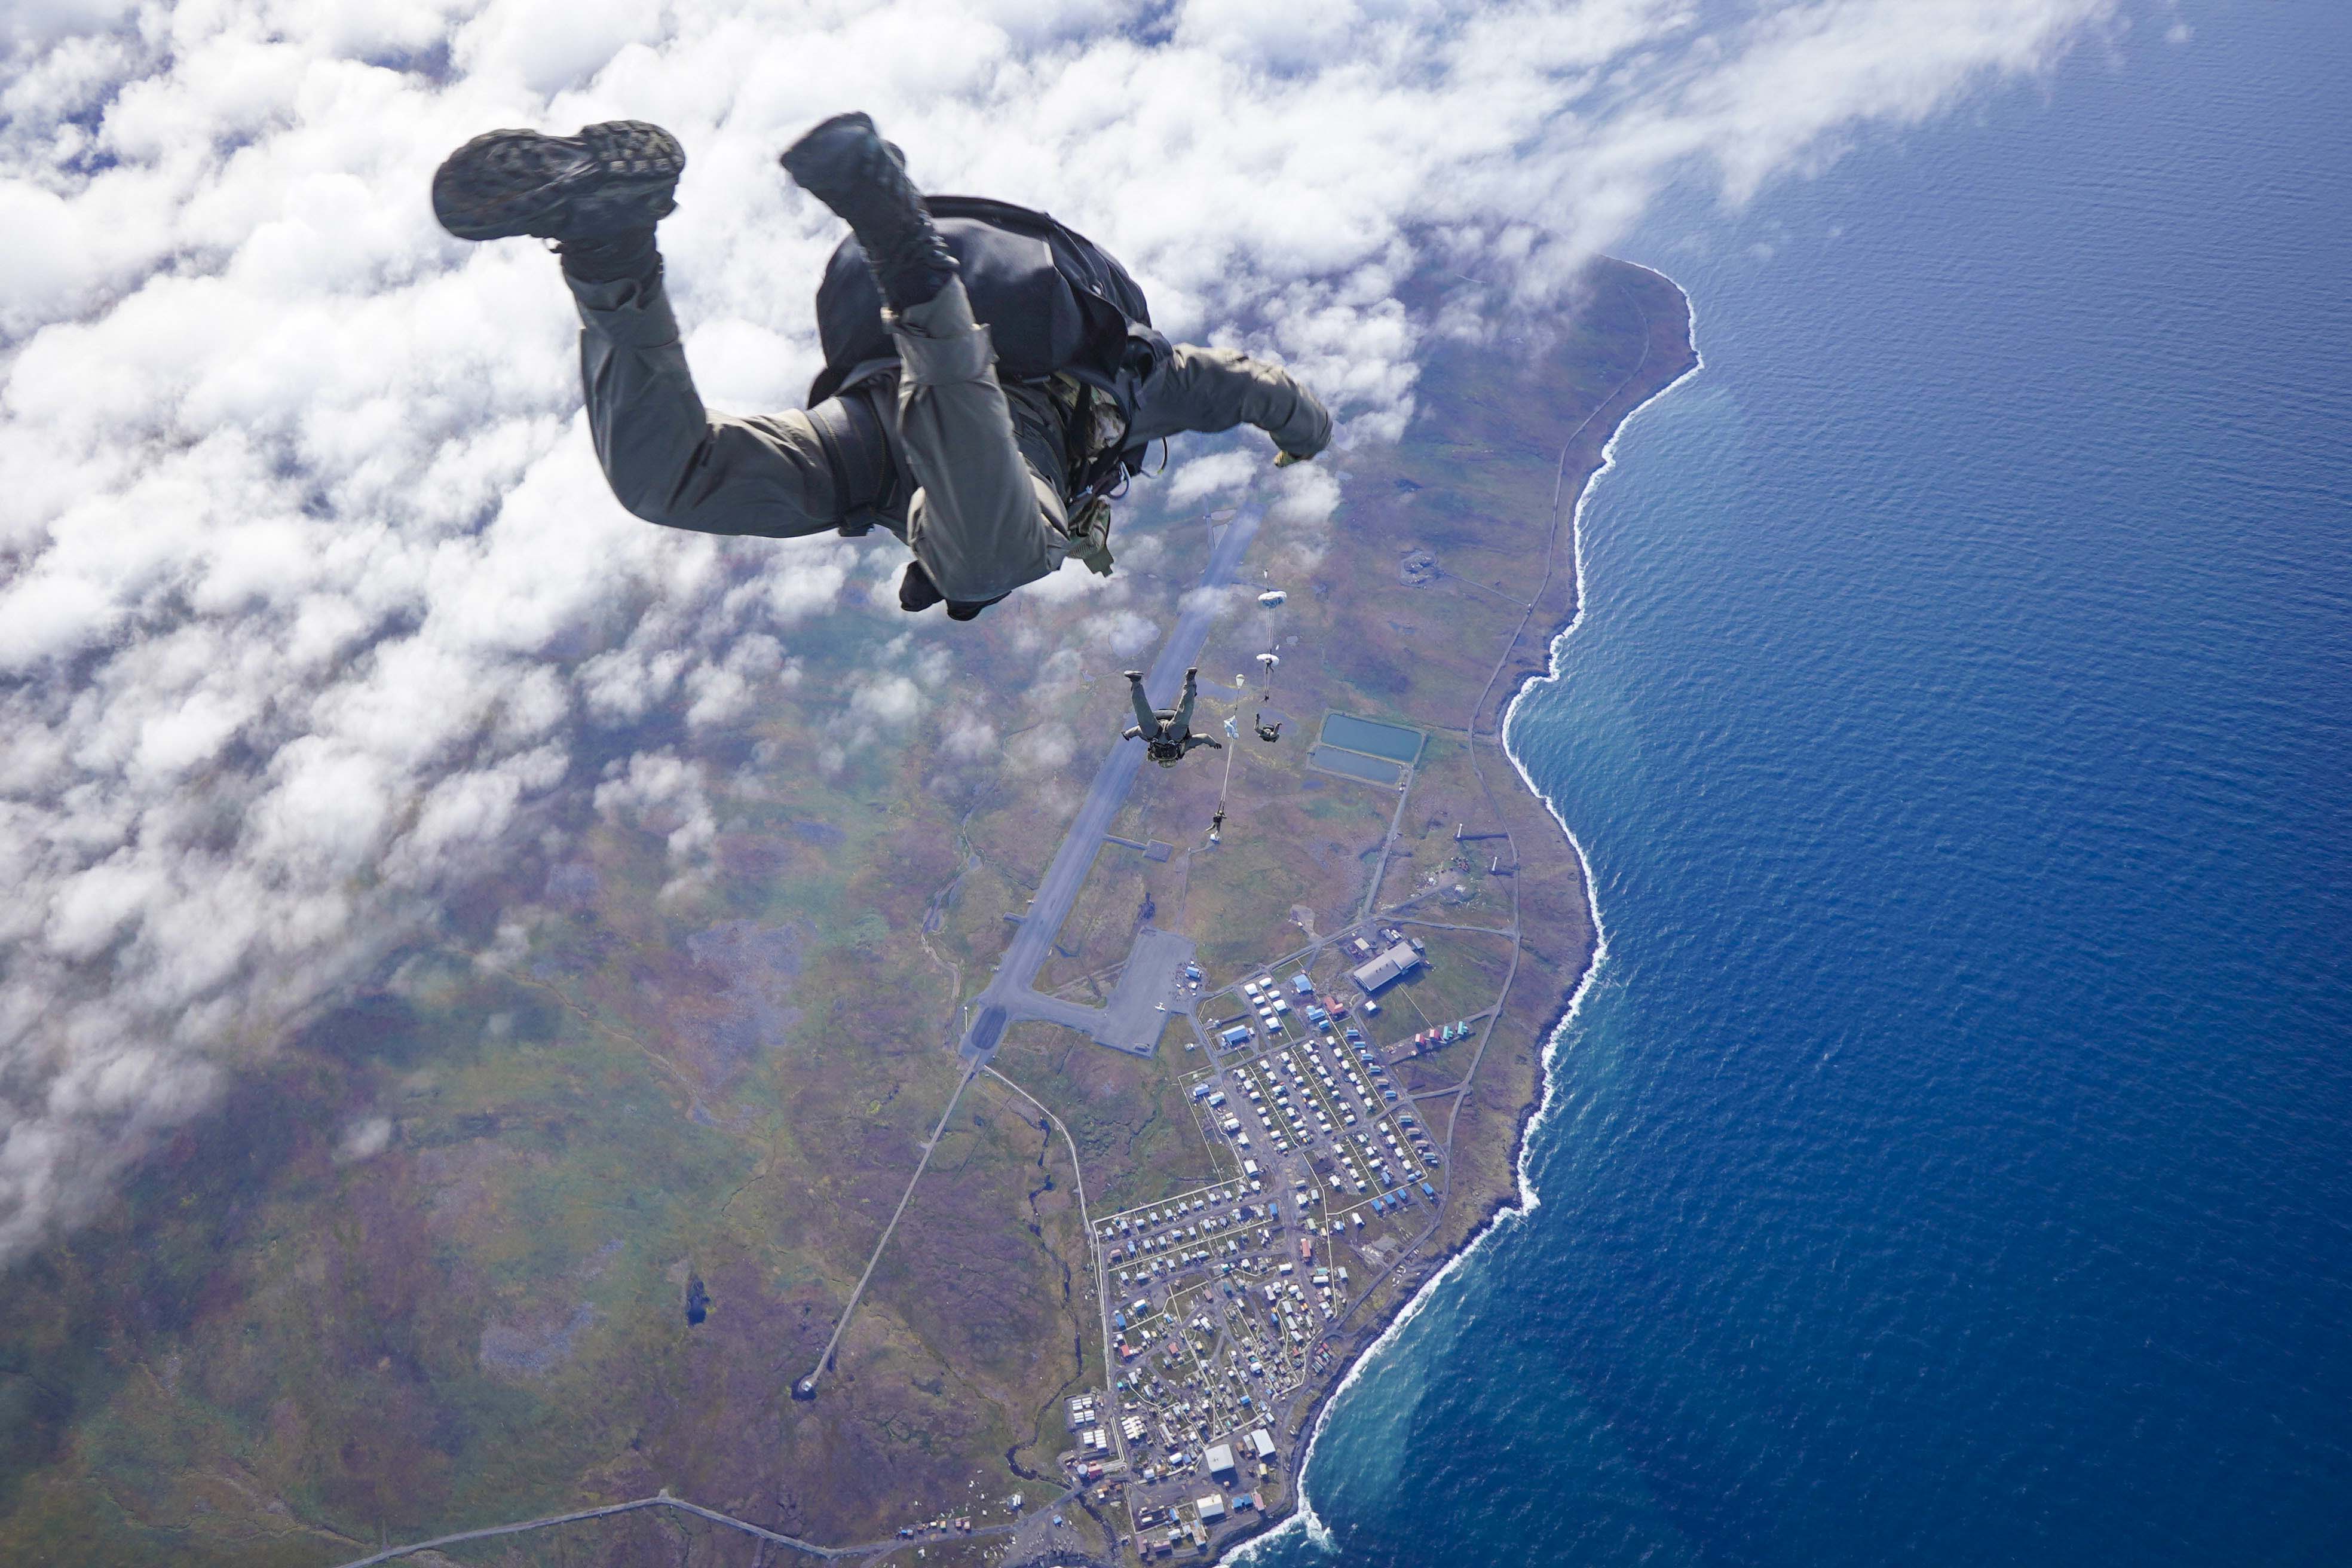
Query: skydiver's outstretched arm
pixel 1211 390
pixel 1192 740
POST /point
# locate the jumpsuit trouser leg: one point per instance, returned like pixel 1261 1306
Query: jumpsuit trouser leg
pixel 669 459
pixel 1145 719
pixel 1184 708
pixel 983 519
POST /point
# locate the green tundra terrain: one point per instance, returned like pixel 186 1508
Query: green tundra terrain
pixel 628 1128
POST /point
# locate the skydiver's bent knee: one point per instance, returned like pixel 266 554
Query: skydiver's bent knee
pixel 670 461
pixel 979 544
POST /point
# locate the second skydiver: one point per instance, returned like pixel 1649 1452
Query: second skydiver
pixel 1166 733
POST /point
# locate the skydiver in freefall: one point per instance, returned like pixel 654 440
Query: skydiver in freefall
pixel 992 378
pixel 1167 733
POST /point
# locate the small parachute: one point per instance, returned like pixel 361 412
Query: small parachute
pixel 1269 660
pixel 1272 597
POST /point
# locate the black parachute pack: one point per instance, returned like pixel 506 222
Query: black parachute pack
pixel 1054 302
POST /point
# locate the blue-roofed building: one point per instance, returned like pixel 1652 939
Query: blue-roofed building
pixel 1304 986
pixel 1239 1034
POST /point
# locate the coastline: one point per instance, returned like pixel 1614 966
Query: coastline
pixel 1524 1198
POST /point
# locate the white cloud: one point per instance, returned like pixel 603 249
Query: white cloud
pixel 659 793
pixel 1122 632
pixel 967 737
pixel 310 593
pixel 887 699
pixel 1217 474
pixel 1041 751
pixel 364 1139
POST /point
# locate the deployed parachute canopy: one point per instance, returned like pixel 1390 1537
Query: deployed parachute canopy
pixel 1272 597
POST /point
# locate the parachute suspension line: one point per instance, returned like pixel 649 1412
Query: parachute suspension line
pixel 1217 821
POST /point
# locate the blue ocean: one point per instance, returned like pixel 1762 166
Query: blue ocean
pixel 1951 1161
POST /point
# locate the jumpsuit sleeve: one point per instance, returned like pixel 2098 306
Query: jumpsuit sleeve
pixel 1209 389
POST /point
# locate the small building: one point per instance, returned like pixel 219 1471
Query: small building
pixel 1219 1459
pixel 1304 986
pixel 1238 1035
pixel 1388 967
pixel 1213 1509
pixel 1261 1444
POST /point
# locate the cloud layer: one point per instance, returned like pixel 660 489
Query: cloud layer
pixel 310 593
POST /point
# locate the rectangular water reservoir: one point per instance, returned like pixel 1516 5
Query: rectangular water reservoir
pixel 1355 764
pixel 1390 740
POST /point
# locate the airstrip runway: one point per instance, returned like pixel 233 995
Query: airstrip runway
pixel 1010 997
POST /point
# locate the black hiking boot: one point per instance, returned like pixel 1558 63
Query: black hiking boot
pixel 845 165
pixel 613 180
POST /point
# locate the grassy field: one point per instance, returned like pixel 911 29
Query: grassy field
pixel 1130 1118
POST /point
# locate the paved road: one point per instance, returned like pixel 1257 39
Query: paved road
pixel 806 1387
pixel 862 1549
pixel 1009 996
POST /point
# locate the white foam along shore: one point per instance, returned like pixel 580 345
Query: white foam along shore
pixel 1525 1199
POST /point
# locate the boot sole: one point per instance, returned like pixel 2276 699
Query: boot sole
pixel 619 175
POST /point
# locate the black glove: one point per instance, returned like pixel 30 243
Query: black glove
pixel 917 591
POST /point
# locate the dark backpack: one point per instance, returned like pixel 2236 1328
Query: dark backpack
pixel 1054 302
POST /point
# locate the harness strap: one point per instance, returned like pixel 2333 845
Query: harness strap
pixel 857 450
